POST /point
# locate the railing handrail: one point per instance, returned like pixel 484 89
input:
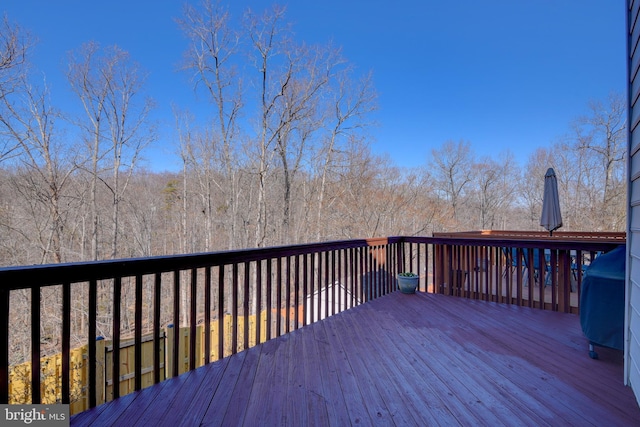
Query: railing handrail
pixel 26 277
pixel 559 242
pixel 616 235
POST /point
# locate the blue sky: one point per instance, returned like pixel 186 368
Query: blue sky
pixel 501 74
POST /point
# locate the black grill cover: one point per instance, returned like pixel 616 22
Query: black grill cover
pixel 602 300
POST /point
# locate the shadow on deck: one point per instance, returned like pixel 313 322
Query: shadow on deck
pixel 421 359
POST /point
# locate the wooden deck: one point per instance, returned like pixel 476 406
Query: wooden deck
pixel 401 360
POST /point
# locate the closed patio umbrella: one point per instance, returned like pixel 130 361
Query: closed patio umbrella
pixel 551 218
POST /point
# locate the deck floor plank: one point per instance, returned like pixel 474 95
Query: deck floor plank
pixel 538 357
pixel 314 398
pixel 463 386
pixel 395 380
pixel 534 372
pixel 324 367
pixel 405 365
pixel 198 398
pixel 216 412
pixel 270 380
pixel 499 390
pixel 357 409
pixel 477 381
pixel 383 405
pixel 240 391
pixel 419 359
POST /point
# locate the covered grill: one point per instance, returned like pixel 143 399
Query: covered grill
pixel 602 301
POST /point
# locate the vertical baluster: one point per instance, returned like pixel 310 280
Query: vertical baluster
pixel 387 270
pixel 578 273
pixel 296 291
pixel 340 283
pixel 410 254
pixel 5 295
pixel 312 290
pixel 363 278
pixel 485 269
pixel 207 315
pixel 554 280
pixel 176 323
pixel 245 304
pixel 305 288
pixel 93 316
pixel 509 260
pixel 269 298
pixel 157 303
pixel 458 278
pixel 352 277
pixel 467 274
pixel 234 308
pixel 450 267
pixel 221 315
pixel 470 273
pixel 326 284
pixel 518 253
pixel 287 296
pixel 138 334
pixel 381 267
pixel 35 345
pixel 66 341
pixel 117 301
pixel 193 318
pixel 428 271
pixel 496 273
pixel 531 272
pixel 542 268
pixel 279 296
pixel 258 308
pixel 375 267
pixel 331 302
pixel 419 266
pixel 564 278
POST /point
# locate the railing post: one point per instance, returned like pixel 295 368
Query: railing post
pixel 400 255
pixel 4 344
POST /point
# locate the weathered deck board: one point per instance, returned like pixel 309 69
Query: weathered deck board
pixel 419 359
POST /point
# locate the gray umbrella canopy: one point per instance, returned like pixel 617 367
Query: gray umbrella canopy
pixel 551 218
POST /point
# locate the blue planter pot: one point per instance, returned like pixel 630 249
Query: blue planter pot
pixel 407 284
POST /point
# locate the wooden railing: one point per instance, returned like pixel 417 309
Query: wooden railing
pixel 525 268
pixel 278 289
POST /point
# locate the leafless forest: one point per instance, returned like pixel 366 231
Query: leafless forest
pixel 284 157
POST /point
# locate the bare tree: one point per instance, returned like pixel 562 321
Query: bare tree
pixel 602 134
pixel 269 40
pixel 210 57
pixel 346 115
pixel 14 45
pixel 116 129
pixel 451 168
pixel 298 116
pixel 47 164
pixel 492 187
